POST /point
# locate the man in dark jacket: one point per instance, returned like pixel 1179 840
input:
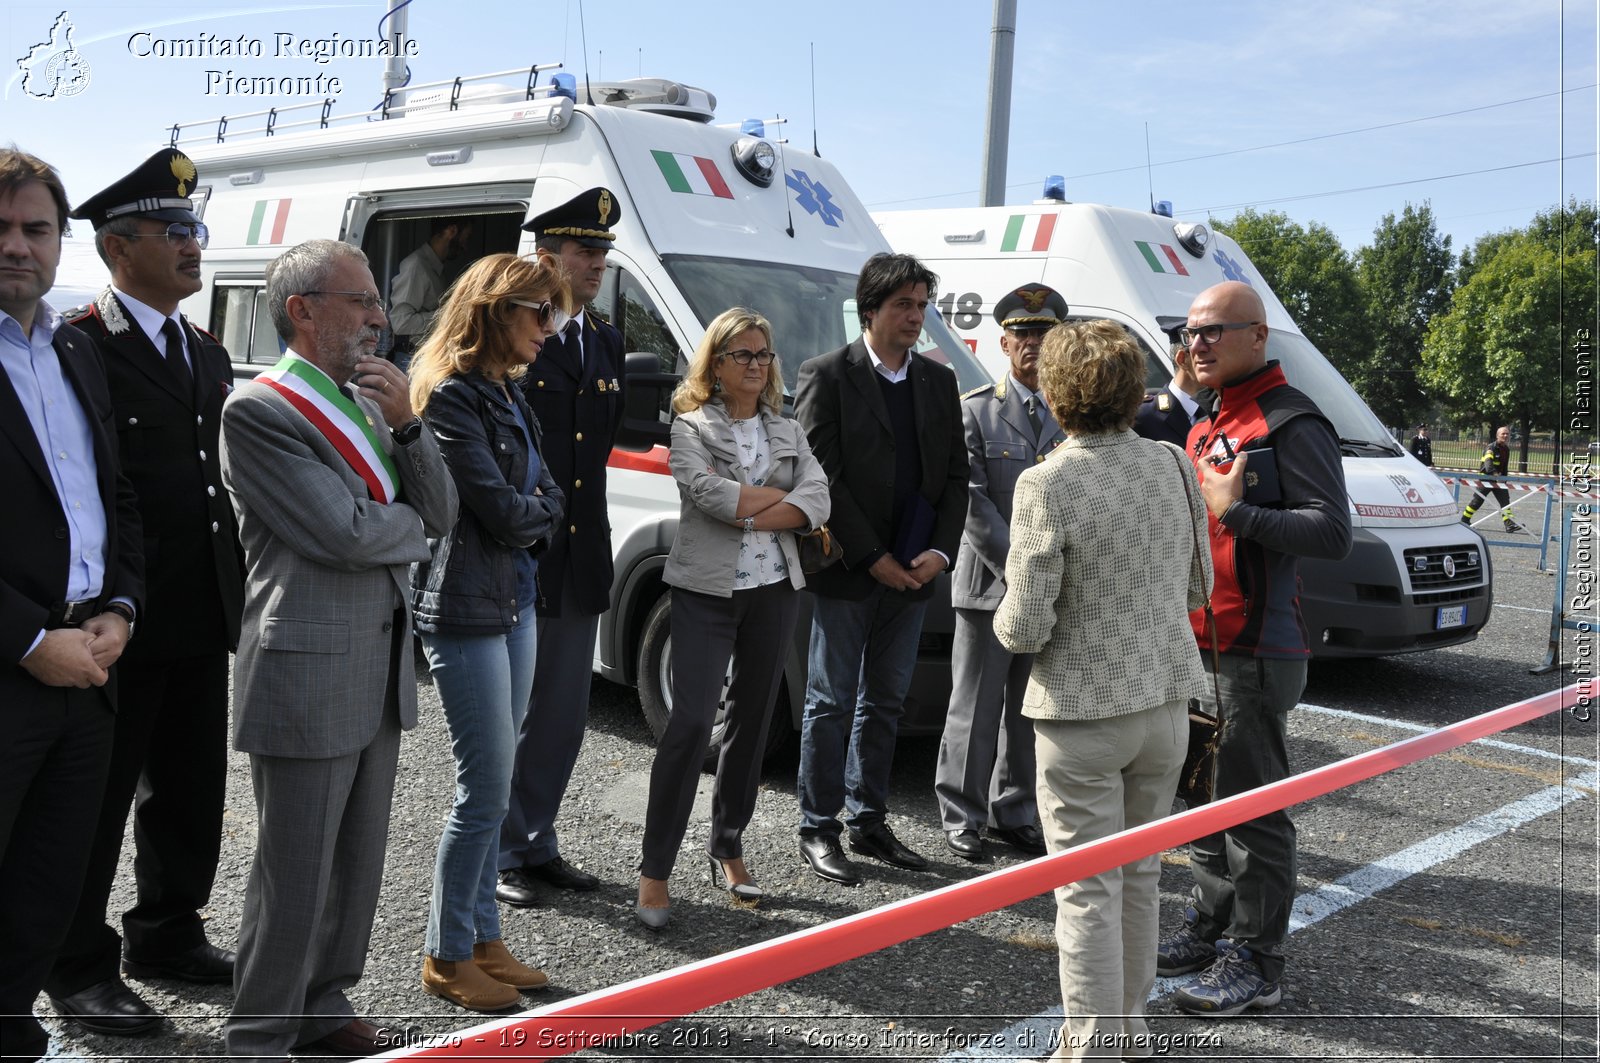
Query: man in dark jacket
pixel 1422 446
pixel 1245 876
pixel 886 425
pixel 1495 462
pixel 168 380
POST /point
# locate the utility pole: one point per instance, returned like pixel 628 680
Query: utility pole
pixel 997 126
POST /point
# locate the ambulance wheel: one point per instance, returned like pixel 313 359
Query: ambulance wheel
pixel 654 672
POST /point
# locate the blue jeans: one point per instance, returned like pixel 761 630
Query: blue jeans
pixel 858 671
pixel 484 682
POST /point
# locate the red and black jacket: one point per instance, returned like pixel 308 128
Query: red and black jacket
pixel 1255 549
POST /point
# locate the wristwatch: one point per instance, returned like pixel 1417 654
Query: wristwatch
pixel 408 434
pixel 124 612
pixel 748 523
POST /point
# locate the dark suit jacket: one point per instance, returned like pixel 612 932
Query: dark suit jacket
pixel 1164 426
pixel 34 541
pixel 194 568
pixel 580 410
pixel 838 402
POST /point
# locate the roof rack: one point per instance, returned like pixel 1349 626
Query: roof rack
pixel 396 103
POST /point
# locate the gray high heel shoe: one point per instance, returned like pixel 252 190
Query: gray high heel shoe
pixel 654 918
pixel 742 891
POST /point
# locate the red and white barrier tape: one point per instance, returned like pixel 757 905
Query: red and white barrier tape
pixel 587 1021
pixel 1512 485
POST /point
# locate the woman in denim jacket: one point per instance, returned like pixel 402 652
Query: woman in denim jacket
pixel 748 484
pixel 474 599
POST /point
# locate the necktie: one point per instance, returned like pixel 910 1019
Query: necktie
pixel 1033 417
pixel 176 362
pixel 574 341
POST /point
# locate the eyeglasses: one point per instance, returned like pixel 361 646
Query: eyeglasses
pixel 368 300
pixel 551 317
pixel 746 357
pixel 1212 333
pixel 180 233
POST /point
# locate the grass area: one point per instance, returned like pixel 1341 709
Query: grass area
pixel 1466 455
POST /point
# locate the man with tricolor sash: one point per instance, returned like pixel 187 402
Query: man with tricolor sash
pixel 337 486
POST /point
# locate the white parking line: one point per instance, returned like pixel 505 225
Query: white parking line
pixel 1364 882
pixel 1491 743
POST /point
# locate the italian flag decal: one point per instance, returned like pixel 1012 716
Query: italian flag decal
pixel 268 220
pixel 1028 232
pixel 1162 259
pixel 693 174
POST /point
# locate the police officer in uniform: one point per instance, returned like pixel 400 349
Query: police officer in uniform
pixel 168 380
pixel 1167 414
pixel 575 388
pixel 985 770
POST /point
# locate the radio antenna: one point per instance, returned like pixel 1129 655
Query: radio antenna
pixel 814 149
pixel 583 35
pixel 1150 180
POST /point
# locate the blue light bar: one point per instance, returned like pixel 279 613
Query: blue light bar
pixel 1055 187
pixel 564 85
pixel 754 127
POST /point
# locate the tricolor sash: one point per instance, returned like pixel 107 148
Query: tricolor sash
pixel 344 424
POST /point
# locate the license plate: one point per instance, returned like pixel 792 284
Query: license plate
pixel 1450 616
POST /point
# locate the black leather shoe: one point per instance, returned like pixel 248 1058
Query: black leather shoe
pixel 562 875
pixel 205 964
pixel 964 843
pixel 1028 838
pixel 516 889
pixel 881 842
pixel 358 1037
pixel 109 1007
pixel 822 852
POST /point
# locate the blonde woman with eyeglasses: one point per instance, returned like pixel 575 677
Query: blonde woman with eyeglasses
pixel 748 484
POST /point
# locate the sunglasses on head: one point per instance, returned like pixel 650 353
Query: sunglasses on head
pixel 551 317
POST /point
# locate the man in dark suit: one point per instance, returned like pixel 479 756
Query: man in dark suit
pixel 168 381
pixel 1167 414
pixel 886 425
pixel 1422 446
pixel 986 766
pixel 575 388
pixel 71 576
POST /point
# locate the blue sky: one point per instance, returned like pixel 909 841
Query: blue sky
pixel 1469 93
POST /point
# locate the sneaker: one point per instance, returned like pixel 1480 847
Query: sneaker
pixel 1184 951
pixel 1229 986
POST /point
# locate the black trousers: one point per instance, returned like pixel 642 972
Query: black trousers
pixel 171 749
pixel 56 744
pixel 753 628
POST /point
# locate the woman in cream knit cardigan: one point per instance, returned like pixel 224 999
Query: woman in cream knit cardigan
pixel 1103 571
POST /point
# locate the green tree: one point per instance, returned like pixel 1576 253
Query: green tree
pixel 1313 278
pixel 1406 279
pixel 1499 350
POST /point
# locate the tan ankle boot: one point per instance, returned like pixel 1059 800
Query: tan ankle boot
pixel 496 961
pixel 461 982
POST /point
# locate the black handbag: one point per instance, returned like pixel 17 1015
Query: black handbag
pixel 818 549
pixel 1197 780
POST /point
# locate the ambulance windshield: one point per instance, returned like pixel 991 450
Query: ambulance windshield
pixel 812 310
pixel 1308 370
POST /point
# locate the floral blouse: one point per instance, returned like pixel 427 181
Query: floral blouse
pixel 760 556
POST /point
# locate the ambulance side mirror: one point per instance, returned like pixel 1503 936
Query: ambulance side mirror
pixel 646 402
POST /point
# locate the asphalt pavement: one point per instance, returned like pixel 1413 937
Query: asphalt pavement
pixel 1447 910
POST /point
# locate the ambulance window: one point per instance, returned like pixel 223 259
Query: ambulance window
pixel 239 318
pixel 643 327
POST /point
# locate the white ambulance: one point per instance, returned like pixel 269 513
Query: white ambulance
pixel 711 217
pixel 1416 577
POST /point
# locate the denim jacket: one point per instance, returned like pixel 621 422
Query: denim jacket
pixel 470 584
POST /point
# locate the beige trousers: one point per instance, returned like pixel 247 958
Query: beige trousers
pixel 1095 778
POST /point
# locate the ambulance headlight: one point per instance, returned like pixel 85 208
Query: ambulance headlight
pixel 1192 237
pixel 755 159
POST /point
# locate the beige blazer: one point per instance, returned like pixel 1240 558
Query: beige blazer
pixel 1102 574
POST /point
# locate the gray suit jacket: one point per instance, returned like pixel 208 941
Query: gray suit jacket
pixel 1000 445
pixel 327 569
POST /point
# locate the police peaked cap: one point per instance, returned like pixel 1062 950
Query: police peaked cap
pixel 159 188
pixel 1173 326
pixel 587 218
pixel 1031 306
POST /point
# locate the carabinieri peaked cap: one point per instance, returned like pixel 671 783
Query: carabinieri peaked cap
pixel 587 218
pixel 159 188
pixel 1031 306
